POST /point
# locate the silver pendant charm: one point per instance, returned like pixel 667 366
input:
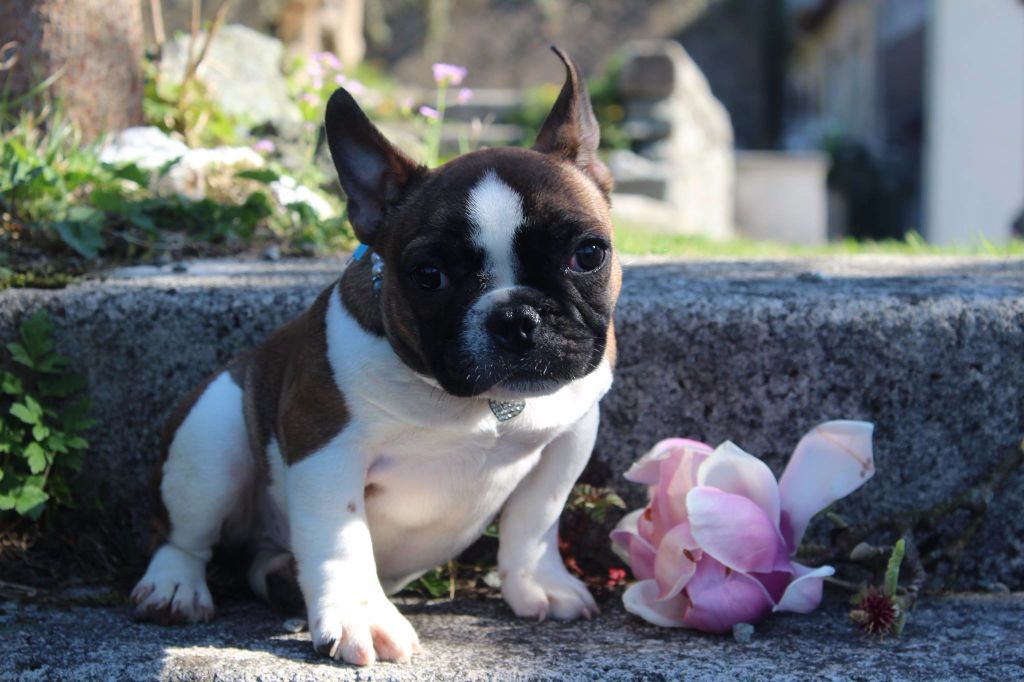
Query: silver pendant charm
pixel 505 410
pixel 376 272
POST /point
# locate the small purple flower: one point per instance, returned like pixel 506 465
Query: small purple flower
pixel 314 70
pixel 355 87
pixel 429 112
pixel 328 58
pixel 340 80
pixel 448 74
pixel 310 99
pixel 318 83
pixel 465 94
pixel 265 147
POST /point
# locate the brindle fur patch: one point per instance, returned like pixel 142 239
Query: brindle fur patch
pixel 290 390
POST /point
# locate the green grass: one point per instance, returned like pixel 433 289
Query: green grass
pixel 634 241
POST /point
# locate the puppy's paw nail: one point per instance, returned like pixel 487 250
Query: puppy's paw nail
pixel 327 647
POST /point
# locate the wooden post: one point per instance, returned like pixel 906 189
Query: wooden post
pixel 97 43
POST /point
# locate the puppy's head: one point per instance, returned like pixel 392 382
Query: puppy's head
pixel 499 274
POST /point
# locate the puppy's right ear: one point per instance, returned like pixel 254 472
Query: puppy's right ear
pixel 373 173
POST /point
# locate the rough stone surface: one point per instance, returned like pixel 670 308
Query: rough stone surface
pixel 931 350
pixel 965 637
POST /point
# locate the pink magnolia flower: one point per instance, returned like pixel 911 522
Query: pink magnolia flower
pixel 713 547
pixel 448 74
pixel 429 112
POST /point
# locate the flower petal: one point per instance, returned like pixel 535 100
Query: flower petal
pixel 776 582
pixel 647 469
pixel 635 550
pixel 736 531
pixel 675 561
pixel 735 471
pixel 626 526
pixel 670 499
pixel 804 594
pixel 720 598
pixel 829 463
pixel 641 599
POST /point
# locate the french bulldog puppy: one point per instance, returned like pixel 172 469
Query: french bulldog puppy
pixel 451 373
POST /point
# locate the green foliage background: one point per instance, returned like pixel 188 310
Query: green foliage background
pixel 43 415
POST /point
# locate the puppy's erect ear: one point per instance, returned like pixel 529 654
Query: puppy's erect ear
pixel 373 173
pixel 570 131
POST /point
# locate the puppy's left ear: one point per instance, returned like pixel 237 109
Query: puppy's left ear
pixel 372 171
pixel 570 131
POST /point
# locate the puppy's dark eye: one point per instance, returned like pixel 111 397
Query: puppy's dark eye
pixel 588 256
pixel 429 278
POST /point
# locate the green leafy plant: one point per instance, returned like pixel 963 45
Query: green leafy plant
pixel 55 192
pixel 438 583
pixel 46 170
pixel 593 501
pixel 44 414
pixel 186 108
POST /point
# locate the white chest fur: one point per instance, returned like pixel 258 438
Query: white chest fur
pixel 438 467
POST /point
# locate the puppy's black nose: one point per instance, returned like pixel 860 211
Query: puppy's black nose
pixel 513 326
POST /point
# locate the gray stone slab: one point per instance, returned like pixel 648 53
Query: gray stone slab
pixel 964 637
pixel 931 350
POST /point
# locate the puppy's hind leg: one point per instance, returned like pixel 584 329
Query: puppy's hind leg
pixel 274 577
pixel 208 470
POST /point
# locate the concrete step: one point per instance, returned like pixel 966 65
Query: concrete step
pixel 931 350
pixel 968 637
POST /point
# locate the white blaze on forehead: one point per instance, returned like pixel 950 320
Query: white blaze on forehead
pixel 495 211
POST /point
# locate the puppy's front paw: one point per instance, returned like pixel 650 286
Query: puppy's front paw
pixel 361 631
pixel 173 589
pixel 547 591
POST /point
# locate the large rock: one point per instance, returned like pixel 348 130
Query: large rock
pixel 242 71
pixel 931 350
pixel 675 120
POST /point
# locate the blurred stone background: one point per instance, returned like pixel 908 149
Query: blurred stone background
pixel 868 119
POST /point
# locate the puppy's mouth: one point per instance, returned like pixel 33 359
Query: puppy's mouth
pixel 501 376
pixel 518 388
